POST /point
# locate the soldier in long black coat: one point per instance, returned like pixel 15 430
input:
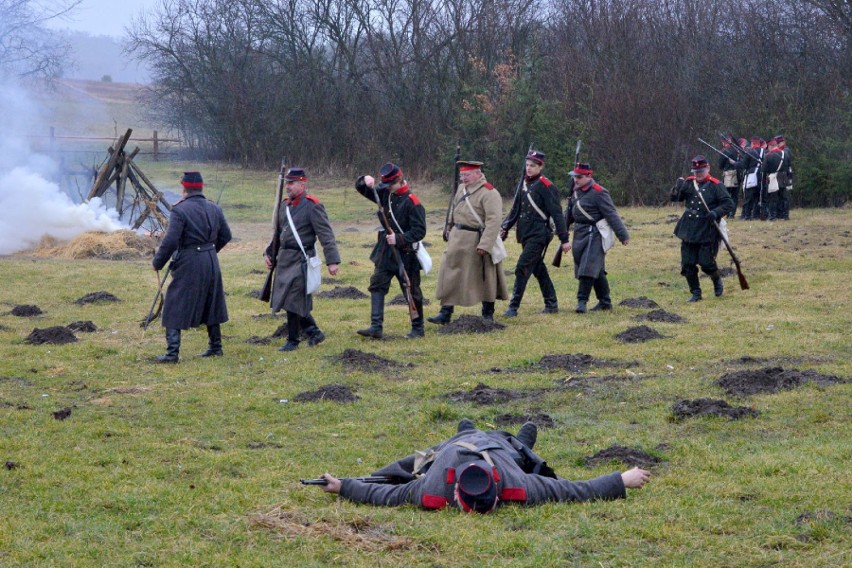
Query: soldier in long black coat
pixel 753 183
pixel 774 171
pixel 589 204
pixel 407 218
pixel 784 192
pixel 197 231
pixel 537 213
pixel 288 290
pixel 700 238
pixel 731 167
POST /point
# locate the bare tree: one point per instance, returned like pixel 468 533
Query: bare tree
pixel 26 48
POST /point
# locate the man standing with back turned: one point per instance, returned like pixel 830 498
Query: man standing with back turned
pixel 197 231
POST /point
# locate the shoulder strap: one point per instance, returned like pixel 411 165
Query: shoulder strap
pixel 295 232
pixel 390 208
pixel 472 448
pixel 475 215
pixel 532 202
pixel 583 211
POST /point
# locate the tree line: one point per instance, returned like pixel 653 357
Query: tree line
pixel 344 85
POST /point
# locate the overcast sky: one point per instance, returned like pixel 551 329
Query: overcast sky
pixel 103 17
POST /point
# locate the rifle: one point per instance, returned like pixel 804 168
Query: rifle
pixel 152 314
pixel 266 291
pixel 378 479
pixel 740 275
pixel 413 313
pixel 759 187
pixel 557 258
pixel 453 188
pixel 512 217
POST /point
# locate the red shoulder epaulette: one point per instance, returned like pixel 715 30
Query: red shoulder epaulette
pixel 413 198
pixel 711 178
pixel 545 182
pixel 597 187
pixel 487 185
pixel 433 502
pixel 312 198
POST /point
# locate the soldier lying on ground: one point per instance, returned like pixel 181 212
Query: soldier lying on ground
pixel 477 471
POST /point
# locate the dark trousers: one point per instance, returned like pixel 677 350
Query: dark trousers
pixel 751 207
pixel 531 263
pixel 296 324
pixel 700 254
pixel 381 279
pixel 735 195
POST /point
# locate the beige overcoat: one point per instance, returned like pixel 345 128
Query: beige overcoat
pixel 465 278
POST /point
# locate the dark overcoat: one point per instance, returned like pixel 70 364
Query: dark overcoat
pixel 587 249
pixel 435 489
pixel 695 225
pixel 312 224
pixel 531 225
pixel 197 231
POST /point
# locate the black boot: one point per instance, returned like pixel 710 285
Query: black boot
pixel 293 328
pixel 528 434
pixel 311 331
pixel 172 347
pixel 601 286
pixel 718 286
pixel 214 342
pixel 548 293
pixel 517 295
pixel 488 311
pixel 377 316
pixel 417 330
pixel 443 317
pixel 694 287
pixel 584 288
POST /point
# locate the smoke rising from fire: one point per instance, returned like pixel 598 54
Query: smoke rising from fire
pixel 32 206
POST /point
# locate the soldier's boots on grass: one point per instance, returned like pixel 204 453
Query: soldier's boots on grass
pixel 172 354
pixel 443 317
pixel 214 342
pixel 377 317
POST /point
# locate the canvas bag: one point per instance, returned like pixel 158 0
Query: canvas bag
pixel 751 179
pixel 774 184
pixel 313 273
pixel 498 251
pixel 422 254
pixel 730 178
pixel 607 234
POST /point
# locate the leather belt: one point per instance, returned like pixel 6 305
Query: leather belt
pixel 466 227
pixel 205 246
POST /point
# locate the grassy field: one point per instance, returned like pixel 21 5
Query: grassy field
pixel 197 464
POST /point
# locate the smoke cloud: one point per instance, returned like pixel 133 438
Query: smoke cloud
pixel 32 206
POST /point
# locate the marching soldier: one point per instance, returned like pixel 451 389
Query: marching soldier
pixel 732 171
pixel 407 217
pixel 706 200
pixel 197 231
pixel 309 221
pixel 537 213
pixel 774 171
pixel 752 208
pixel 784 192
pixel 470 274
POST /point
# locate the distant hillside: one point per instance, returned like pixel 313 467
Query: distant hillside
pixel 97 56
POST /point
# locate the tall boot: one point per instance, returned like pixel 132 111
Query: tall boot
pixel 172 347
pixel 444 316
pixel 517 295
pixel 293 327
pixel 488 311
pixel 214 342
pixel 601 286
pixel 377 316
pixel 548 291
pixel 718 286
pixel 311 330
pixel 694 287
pixel 584 288
pixel 417 330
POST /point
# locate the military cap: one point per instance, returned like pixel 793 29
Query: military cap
pixel 699 162
pixel 477 487
pixel 295 174
pixel 581 169
pixel 468 165
pixel 536 156
pixel 192 180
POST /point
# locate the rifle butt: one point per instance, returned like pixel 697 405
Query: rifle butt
pixel 557 258
pixel 743 281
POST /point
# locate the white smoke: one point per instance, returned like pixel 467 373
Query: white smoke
pixel 31 206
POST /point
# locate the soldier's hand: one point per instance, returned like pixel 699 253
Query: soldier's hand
pixel 391 239
pixel 625 242
pixel 334 484
pixel 566 247
pixel 268 262
pixel 633 478
pixel 333 268
pixel 503 234
pixel 369 181
pixel 481 252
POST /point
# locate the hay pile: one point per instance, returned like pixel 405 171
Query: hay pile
pixel 118 245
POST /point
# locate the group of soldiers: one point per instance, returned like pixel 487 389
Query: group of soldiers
pixel 471 271
pixel 762 172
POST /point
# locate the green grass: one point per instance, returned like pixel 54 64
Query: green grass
pixel 174 472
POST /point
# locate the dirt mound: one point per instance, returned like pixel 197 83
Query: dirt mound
pixel 18 381
pixel 62 414
pixel 575 363
pixel 119 245
pixel 710 407
pixel 640 302
pixel 93 297
pixel 399 300
pixel 332 392
pixel 541 420
pixel 10 465
pixel 331 281
pixel 639 334
pixel 354 359
pixel 471 324
pixel 771 380
pixel 347 292
pixel 623 454
pixel 82 326
pixel 26 311
pixel 257 340
pixel 57 335
pixel 660 316
pixel 483 394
